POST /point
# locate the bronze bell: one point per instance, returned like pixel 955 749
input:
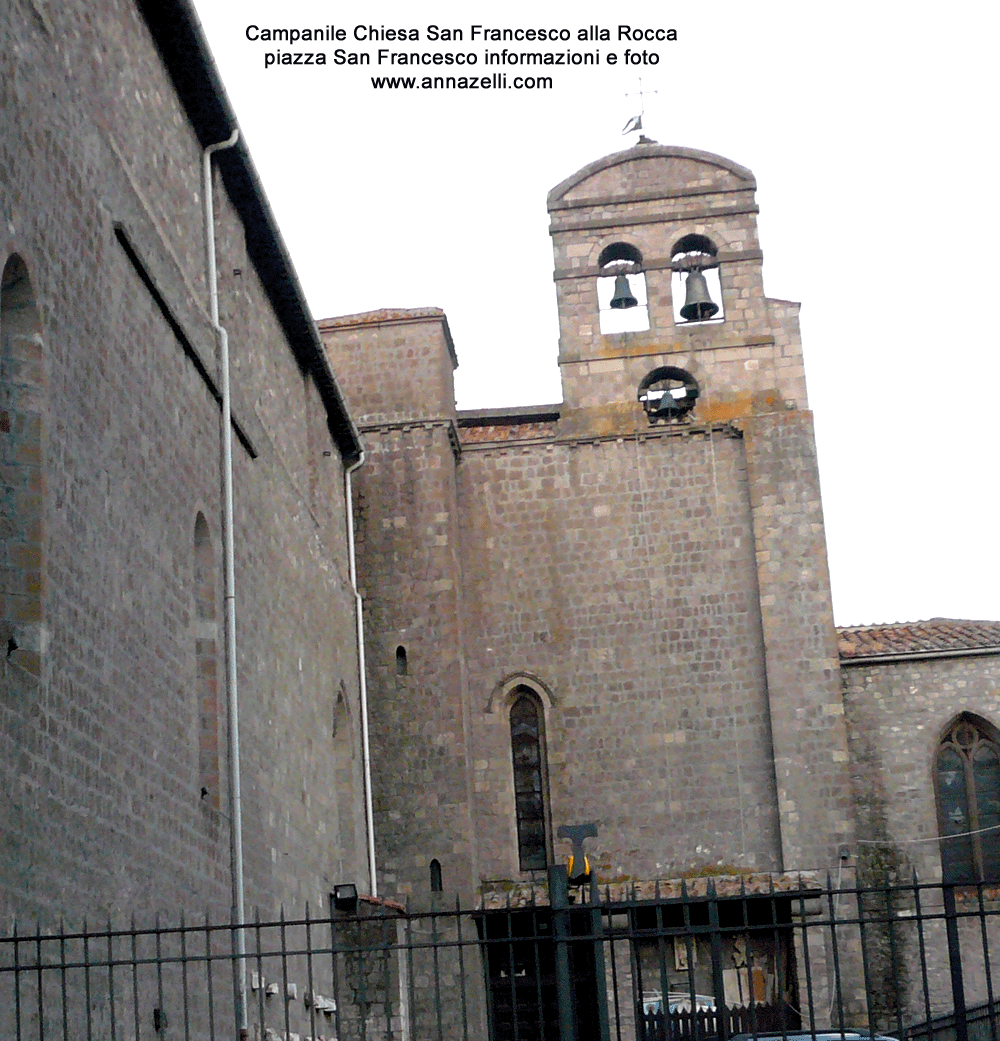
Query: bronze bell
pixel 698 304
pixel 623 294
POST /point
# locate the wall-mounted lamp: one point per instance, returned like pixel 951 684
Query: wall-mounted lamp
pixel 345 898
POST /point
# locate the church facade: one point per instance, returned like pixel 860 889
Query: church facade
pixel 615 609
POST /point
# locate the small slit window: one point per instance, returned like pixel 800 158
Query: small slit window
pixel 621 290
pixel 401 664
pixel 436 883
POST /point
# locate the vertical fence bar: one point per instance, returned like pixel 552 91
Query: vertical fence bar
pixel 284 970
pixel 135 982
pixel 891 899
pixel 614 968
pixel 387 984
pixel 158 1027
pixel 111 982
pixel 559 899
pixel 209 984
pixel 600 970
pixel 184 980
pixel 410 982
pixel 63 986
pixel 990 1000
pixel 261 985
pixel 810 1000
pixel 863 932
pixel 41 982
pixel 309 975
pixel 86 979
pixel 437 976
pixel 461 971
pixel 837 996
pixel 923 948
pixel 335 975
pixel 718 986
pixel 955 963
pixel 17 984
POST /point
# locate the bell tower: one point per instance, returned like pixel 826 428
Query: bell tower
pixel 658 267
pixel 664 329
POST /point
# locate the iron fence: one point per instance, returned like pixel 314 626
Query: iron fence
pixel 699 961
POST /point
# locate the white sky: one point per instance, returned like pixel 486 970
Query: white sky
pixel 870 128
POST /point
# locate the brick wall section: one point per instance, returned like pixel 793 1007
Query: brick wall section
pixel 896 714
pixel 100 754
pixel 620 575
pixel 807 714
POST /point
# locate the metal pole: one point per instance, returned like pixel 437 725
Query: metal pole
pixel 559 900
pixel 232 714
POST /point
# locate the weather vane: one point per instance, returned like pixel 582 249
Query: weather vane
pixel 635 123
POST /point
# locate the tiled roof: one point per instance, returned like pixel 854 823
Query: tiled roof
pixel 905 639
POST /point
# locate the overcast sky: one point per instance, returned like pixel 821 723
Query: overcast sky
pixel 870 128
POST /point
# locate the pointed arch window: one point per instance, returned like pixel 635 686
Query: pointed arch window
pixel 527 746
pixel 967 777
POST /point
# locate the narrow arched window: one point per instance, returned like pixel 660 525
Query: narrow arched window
pixel 436 884
pixel 22 485
pixel 527 747
pixel 401 664
pixel 967 777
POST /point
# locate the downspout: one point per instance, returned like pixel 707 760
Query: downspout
pixel 232 714
pixel 362 674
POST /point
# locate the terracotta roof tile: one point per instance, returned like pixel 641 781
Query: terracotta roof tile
pixel 913 638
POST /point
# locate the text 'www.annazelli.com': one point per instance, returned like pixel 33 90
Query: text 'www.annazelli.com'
pixel 498 81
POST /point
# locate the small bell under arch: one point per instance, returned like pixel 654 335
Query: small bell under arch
pixel 623 294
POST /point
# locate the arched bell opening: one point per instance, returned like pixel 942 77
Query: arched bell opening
pixel 621 290
pixel 696 285
pixel 668 394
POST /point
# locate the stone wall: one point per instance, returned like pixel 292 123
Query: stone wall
pixel 106 723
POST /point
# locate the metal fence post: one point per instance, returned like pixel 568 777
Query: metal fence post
pixel 955 963
pixel 559 901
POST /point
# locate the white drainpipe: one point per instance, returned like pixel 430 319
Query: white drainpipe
pixel 232 715
pixel 362 674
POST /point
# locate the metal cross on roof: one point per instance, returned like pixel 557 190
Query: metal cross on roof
pixel 635 123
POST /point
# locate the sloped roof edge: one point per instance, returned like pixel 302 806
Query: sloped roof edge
pixel 180 39
pixel 647 151
pixel 934 637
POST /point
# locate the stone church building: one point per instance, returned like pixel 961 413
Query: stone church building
pixel 616 609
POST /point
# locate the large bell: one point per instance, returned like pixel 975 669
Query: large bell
pixel 698 304
pixel 623 294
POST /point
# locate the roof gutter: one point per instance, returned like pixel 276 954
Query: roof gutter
pixel 881 659
pixel 180 39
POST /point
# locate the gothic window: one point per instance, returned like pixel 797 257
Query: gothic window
pixel 967 776
pixel 527 746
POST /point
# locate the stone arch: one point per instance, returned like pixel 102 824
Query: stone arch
pixel 22 486
pixel 504 693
